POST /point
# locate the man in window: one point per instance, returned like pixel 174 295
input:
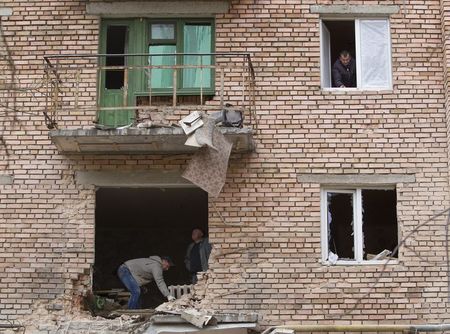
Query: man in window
pixel 344 71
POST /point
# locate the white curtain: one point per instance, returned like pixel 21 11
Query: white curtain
pixel 163 31
pixel 375 54
pixel 162 78
pixel 197 39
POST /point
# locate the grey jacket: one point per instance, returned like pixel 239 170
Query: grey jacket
pixel 148 269
pixel 204 248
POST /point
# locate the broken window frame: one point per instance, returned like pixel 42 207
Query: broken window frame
pixel 326 63
pixel 358 235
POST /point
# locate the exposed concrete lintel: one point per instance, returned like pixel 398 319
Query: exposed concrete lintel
pixel 355 9
pixel 5 11
pixel 178 8
pixel 356 179
pixel 6 179
pixel 143 178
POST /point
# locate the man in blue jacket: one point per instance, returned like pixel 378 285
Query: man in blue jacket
pixel 344 71
pixel 197 254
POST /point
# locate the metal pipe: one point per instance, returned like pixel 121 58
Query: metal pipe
pixel 125 88
pixel 174 83
pixel 98 55
pixel 363 328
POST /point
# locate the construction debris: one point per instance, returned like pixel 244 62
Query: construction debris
pixel 196 299
pixel 191 123
pixel 198 318
pixel 380 256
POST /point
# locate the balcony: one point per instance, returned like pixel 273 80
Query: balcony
pixel 131 103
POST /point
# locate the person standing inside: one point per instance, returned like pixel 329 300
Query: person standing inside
pixel 344 71
pixel 138 272
pixel 197 254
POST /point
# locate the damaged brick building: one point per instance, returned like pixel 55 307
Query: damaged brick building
pixel 323 183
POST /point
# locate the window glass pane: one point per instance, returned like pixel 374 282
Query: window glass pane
pixel 162 78
pixel 340 225
pixel 375 55
pixel 162 31
pixel 379 222
pixel 197 39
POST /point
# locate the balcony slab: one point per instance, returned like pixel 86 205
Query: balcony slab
pixel 139 140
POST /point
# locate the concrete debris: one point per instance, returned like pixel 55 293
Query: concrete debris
pixel 191 123
pixel 380 256
pixel 198 318
pixel 106 127
pixel 332 258
pixel 196 299
pixel 61 315
pixel 153 124
pixel 154 118
pixel 190 306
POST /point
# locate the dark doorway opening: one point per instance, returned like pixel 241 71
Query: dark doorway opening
pixel 140 222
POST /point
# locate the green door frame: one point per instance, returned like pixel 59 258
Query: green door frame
pixel 137 42
pixel 115 97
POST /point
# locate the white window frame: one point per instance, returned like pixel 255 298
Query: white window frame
pixel 326 58
pixel 358 236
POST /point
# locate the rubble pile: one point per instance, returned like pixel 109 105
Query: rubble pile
pixel 194 300
pixel 60 316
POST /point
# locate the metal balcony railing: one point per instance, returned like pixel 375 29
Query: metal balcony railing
pixel 124 85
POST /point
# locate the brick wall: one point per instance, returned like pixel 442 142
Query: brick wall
pixel 268 250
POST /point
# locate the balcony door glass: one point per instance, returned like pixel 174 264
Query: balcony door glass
pixel 197 40
pixel 162 45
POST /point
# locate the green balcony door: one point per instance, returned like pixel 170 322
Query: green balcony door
pixel 116 85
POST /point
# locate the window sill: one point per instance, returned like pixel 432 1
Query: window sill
pixel 357 90
pixel 362 263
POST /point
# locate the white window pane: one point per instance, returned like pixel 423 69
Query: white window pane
pixel 162 31
pixel 375 54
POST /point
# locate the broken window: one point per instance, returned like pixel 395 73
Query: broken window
pixel 139 222
pixel 359 225
pixel 116 42
pixel 368 43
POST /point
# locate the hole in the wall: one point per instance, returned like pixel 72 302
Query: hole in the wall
pixel 139 222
